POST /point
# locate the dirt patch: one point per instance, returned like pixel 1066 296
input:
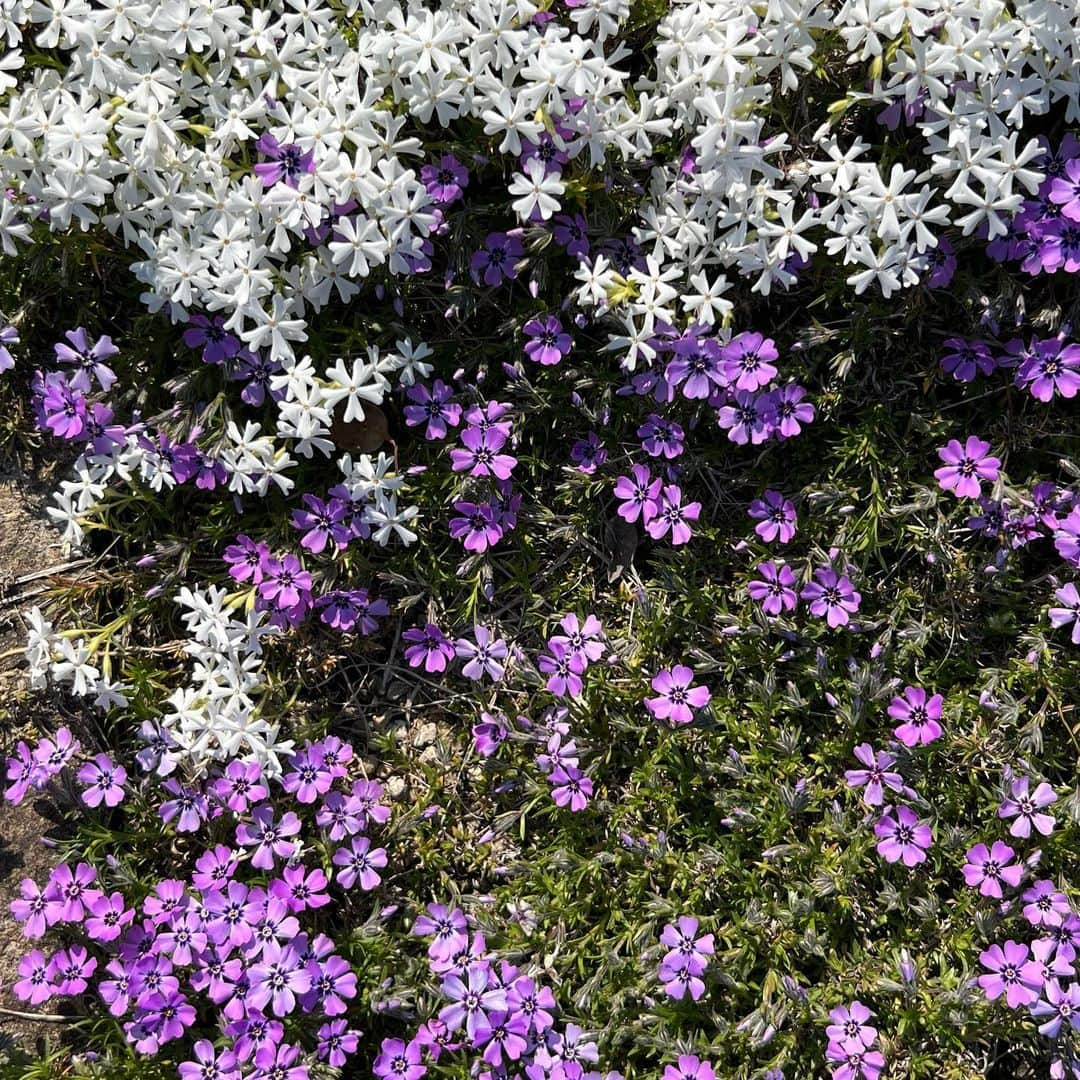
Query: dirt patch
pixel 28 544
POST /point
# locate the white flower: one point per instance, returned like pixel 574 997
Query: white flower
pixel 537 189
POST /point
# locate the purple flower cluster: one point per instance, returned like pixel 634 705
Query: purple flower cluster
pixel 687 958
pixel 851 1046
pixel 224 946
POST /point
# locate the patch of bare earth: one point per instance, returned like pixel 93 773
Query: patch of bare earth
pixel 28 546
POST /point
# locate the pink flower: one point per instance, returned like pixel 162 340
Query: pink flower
pixel 965 466
pixel 988 868
pixel 903 836
pixel 677 697
pixel 920 716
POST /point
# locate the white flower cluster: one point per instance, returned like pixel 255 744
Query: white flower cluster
pixel 216 716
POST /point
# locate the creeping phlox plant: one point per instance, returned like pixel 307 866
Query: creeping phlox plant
pixel 584 487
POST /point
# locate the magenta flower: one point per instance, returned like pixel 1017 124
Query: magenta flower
pixel 775 516
pixel 69 889
pixel 1008 975
pixel 104 781
pixel 988 868
pixel 1069 612
pixel 71 970
pixel 831 595
pixel 748 361
pixel 570 787
pixel 697 367
pixel 336 1043
pixel 107 916
pixel 246 559
pixel 29 909
pixel 853 1061
pixel 640 494
pixel 430 647
pixel 581 638
pixel 774 591
pixel 1045 906
pixel 481 455
pixel 919 716
pixel 268 838
pixel 285 581
pixel 685 947
pixel 240 786
pixel 308 778
pixel 849 1025
pixel 689 1067
pixel 876 776
pixel 1064 190
pixel 35 983
pixel 965 466
pixel 1067 537
pixel 548 343
pixel 278 979
pixel 1052 369
pixel 1026 807
pixel 1056 1007
pixel 677 696
pixel 902 836
pixel 359 863
pixel 476 526
pixel 482 656
pixel 680 978
pixel 672 515
pixel 790 411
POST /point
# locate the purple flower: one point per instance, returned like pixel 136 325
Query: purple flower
pixel 434 408
pixel 399 1060
pixel 1059 1006
pixel 748 361
pixel 685 948
pixel 776 517
pixel 1064 190
pixel 588 454
pixel 67 892
pixel 189 808
pixel 29 909
pixel 88 360
pixel 697 367
pixel 677 697
pixel 488 734
pixel 1067 537
pixel 445 181
pixel 496 260
pixel 831 595
pixel 849 1025
pixel 35 978
pixel 8 336
pixel 307 778
pixel 1007 975
pixel 570 787
pixel 278 979
pixel 789 410
pixel 1052 369
pixel 1026 806
pixel 989 867
pixel 107 916
pixel 104 781
pixel 775 591
pixel 280 1062
pixel 660 437
pixel 965 466
pixel 322 522
pixel 689 1067
pixel 471 1000
pixel 941 264
pixel 352 609
pixel 481 454
pixel 572 233
pixel 476 526
pixel 483 655
pixel 1044 905
pixel 967 359
pixel 854 1061
pixel 240 786
pixel 449 928
pixel 564 670
pixel 268 837
pixel 672 515
pixel 876 776
pixel 584 639
pixel 903 836
pixel 246 559
pixel 359 862
pixel 288 162
pixel 640 495
pixel 430 647
pixel 71 969
pixel 285 581
pixel 211 336
pixel 548 343
pixel 1069 612
pixel 208 1065
pixel 336 1043
pixel 749 419
pixel 919 716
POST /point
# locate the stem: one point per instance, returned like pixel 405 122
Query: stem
pixel 46 1018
